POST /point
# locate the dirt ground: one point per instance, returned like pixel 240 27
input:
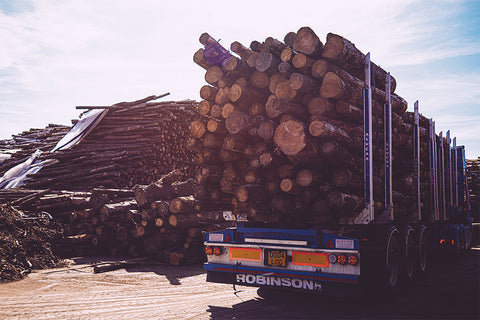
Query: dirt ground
pixel 165 292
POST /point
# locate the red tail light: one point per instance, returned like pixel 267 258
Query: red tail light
pixel 342 259
pixel 352 259
pixel 217 251
pixel 209 250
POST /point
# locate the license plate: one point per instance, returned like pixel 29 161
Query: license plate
pixel 275 258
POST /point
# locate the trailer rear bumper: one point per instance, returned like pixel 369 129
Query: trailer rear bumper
pixel 343 285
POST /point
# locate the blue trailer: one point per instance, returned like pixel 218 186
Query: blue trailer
pixel 378 251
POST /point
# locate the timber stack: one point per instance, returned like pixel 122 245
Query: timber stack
pixel 280 136
pixel 134 143
pixel 162 220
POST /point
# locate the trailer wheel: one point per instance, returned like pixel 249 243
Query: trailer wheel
pixel 423 251
pixel 393 261
pixel 410 256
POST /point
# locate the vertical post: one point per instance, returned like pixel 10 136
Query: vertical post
pixel 435 153
pixel 416 156
pixel 455 177
pixel 449 176
pixel 433 171
pixel 441 164
pixel 388 150
pixel 367 215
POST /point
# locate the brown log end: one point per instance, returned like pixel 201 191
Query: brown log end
pixel 290 137
pixel 332 86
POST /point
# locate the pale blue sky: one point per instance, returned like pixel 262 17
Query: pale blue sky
pixel 56 54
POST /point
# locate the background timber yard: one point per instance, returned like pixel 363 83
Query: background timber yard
pixel 58 54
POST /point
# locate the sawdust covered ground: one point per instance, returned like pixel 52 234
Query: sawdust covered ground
pixel 166 292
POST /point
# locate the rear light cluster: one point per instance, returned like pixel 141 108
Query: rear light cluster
pixel 343 259
pixel 213 250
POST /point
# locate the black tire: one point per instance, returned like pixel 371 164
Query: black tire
pixel 393 262
pixel 409 256
pixel 423 251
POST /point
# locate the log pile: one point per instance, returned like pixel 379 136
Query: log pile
pixel 21 146
pixel 134 143
pixel 163 220
pixel 281 133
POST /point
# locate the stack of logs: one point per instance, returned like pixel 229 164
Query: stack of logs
pixel 163 220
pixel 21 146
pixel 134 143
pixel 281 133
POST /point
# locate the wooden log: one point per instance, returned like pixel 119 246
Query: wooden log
pixel 306 177
pixel 287 55
pixel 325 130
pixel 259 80
pixel 289 39
pixel 273 45
pixel 185 221
pixel 208 92
pixel 285 68
pixel 344 53
pixel 236 122
pixel 302 62
pixel 234 143
pixel 184 205
pixel 289 186
pixel 204 107
pixel 256 109
pixel 227 109
pixel 222 96
pixel 236 66
pixel 267 62
pixel 275 79
pixel 307 42
pixel 250 193
pixel 345 202
pixel 199 59
pixel 302 83
pixel 321 106
pixel 276 106
pixel 348 88
pixel 349 111
pixel 216 126
pixel 213 74
pixel 197 128
pixel 241 50
pixel 245 96
pixel 290 137
pixel 285 91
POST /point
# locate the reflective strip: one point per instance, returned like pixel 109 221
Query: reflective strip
pixel 310 259
pixel 275 241
pixel 246 254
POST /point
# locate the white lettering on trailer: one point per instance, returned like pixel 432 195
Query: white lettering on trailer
pixel 344 244
pixel 278 282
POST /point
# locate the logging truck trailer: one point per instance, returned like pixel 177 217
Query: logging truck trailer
pixel 376 251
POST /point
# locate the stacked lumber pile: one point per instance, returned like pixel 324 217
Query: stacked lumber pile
pixel 21 146
pixel 281 133
pixel 134 143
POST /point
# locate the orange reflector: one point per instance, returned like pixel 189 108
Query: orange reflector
pixel 246 254
pixel 209 250
pixel 311 259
